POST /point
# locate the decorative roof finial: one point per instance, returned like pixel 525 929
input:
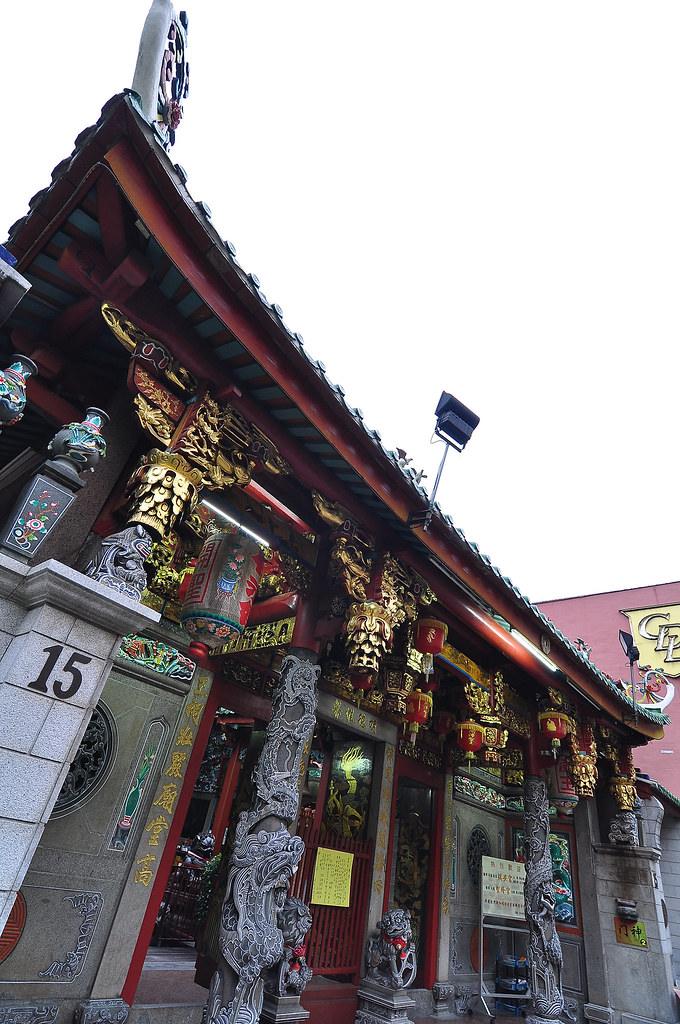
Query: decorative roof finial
pixel 162 73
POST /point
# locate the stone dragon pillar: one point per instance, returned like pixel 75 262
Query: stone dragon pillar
pixel 265 855
pixel 544 952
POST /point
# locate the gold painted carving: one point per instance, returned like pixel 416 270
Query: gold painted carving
pixel 397 682
pixel 583 761
pixel 623 791
pixel 513 757
pixel 265 634
pixel 464 663
pixel 354 566
pixel 478 697
pixel 398 588
pixel 416 753
pixel 148 385
pixel 163 489
pixel 335 677
pixel 498 693
pixel 298 576
pixel 133 338
pixel 515 714
pixel 127 333
pixel 584 773
pixel 353 546
pixel 369 634
pixel 225 447
pixel 201 444
pixel 335 515
pixel 622 782
pixel 154 420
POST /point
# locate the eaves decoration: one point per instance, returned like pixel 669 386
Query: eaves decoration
pixel 172 408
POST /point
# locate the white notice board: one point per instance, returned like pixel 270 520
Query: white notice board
pixel 503 888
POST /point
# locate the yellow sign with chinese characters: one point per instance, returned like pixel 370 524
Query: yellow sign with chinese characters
pixel 630 933
pixel 332 877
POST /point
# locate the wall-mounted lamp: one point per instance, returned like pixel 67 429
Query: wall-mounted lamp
pixel 455 425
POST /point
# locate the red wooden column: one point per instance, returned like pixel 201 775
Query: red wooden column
pixel 223 809
pixel 168 856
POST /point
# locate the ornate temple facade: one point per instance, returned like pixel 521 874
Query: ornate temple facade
pixel 233 635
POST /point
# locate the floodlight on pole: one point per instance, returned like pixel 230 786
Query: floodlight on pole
pixel 455 425
pixel 633 655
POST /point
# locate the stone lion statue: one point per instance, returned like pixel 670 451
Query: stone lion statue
pixel 391 956
pixel 291 974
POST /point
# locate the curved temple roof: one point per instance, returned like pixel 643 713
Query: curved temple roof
pixel 234 336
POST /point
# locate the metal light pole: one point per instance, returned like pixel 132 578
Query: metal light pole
pixel 455 424
pixel 633 655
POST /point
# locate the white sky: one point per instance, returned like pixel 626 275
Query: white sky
pixel 478 197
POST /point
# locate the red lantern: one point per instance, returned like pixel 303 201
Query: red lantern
pixel 429 637
pixel 443 723
pixel 220 595
pixel 561 789
pixel 554 725
pixel 430 682
pixel 418 710
pixel 495 736
pixel 470 736
pixel 362 680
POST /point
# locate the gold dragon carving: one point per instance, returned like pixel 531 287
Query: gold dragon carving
pixel 133 338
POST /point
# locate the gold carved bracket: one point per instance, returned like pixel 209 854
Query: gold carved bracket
pixel 214 438
pixel 353 551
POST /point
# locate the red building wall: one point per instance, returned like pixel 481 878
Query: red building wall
pixel 597 619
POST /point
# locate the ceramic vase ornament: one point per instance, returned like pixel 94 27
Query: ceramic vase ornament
pixel 80 446
pixel 222 588
pixel 13 390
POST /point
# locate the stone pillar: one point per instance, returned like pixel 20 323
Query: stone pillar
pixel 60 633
pixel 383 783
pixel 265 855
pixel 544 952
pixel 442 995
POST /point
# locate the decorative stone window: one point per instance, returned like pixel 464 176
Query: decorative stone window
pixel 90 767
pixel 478 846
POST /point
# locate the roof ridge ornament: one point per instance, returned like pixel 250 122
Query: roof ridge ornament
pixel 161 77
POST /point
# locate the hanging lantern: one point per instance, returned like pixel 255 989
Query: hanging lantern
pixel 495 737
pixel 362 680
pixel 554 725
pixel 561 789
pixel 443 723
pixel 470 735
pixel 418 710
pixel 222 588
pixel 430 683
pixel 429 637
